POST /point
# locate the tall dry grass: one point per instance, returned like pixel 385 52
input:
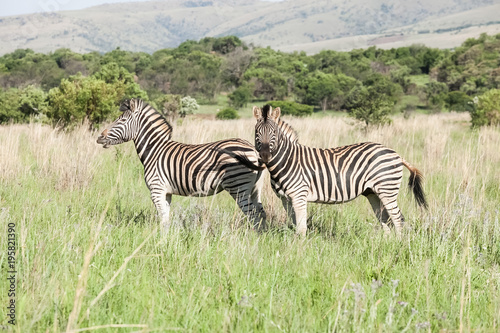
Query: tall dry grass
pixel 83 212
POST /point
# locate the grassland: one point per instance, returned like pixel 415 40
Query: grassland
pixel 89 256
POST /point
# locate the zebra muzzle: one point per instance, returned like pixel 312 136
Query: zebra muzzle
pixel 265 157
pixel 102 140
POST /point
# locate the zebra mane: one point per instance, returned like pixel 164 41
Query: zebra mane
pixel 149 113
pixel 288 131
pixel 265 111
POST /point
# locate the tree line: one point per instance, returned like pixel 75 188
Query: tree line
pixel 64 87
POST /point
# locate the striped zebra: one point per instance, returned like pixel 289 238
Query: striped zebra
pixel 301 174
pixel 185 169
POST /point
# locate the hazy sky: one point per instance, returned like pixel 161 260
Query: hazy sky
pixel 17 7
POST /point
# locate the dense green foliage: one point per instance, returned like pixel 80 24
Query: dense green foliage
pixel 241 96
pixel 167 104
pixel 18 105
pixel 227 114
pixel 292 108
pixel 188 106
pixel 486 110
pixel 203 69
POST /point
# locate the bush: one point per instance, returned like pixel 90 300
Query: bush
pixel 486 109
pixel 292 108
pixel 436 93
pixel 20 104
pixel 226 114
pixel 83 99
pixel 168 105
pixel 240 96
pixel 369 107
pixel 188 106
pixel 458 101
pixel 92 99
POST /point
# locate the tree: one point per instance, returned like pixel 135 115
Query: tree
pixel 168 104
pixel 83 99
pixel 429 59
pixel 382 85
pixel 18 105
pixel 436 93
pixel 326 90
pixel 188 106
pixel 226 44
pixel 367 105
pixel 292 108
pixel 486 109
pixel 122 79
pixel 401 75
pixel 268 83
pixel 458 101
pixel 234 66
pixel 240 96
pixel 94 99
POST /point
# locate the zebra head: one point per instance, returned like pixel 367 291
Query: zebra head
pixel 124 128
pixel 266 131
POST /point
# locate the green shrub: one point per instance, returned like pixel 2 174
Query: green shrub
pixel 168 105
pixel 20 104
pixel 458 101
pixel 292 108
pixel 369 106
pixel 92 99
pixel 79 99
pixel 436 93
pixel 486 109
pixel 240 96
pixel 188 106
pixel 226 114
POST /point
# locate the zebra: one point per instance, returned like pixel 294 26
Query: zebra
pixel 301 174
pixel 187 169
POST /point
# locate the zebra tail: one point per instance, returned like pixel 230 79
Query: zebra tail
pixel 415 184
pixel 243 160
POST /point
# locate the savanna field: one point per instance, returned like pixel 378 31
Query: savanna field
pixel 89 255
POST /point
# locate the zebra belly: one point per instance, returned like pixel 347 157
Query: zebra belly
pixel 201 189
pixel 314 198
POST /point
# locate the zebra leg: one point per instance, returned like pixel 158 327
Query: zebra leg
pixel 287 204
pixel 300 209
pixel 245 202
pixel 162 202
pixel 391 206
pixel 380 212
pixel 259 218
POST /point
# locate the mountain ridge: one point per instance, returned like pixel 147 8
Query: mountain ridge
pixel 292 25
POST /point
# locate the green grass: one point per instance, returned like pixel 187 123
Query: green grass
pixel 222 103
pixel 420 80
pixel 214 274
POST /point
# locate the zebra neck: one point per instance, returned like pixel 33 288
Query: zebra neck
pixel 282 159
pixel 153 131
pixel 287 131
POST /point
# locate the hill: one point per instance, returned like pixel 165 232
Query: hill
pixel 287 25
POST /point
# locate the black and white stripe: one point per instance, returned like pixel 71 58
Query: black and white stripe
pixel 184 169
pixel 301 174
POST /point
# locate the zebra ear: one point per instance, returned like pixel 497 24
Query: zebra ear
pixel 135 104
pixel 132 104
pixel 125 105
pixel 275 114
pixel 257 113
